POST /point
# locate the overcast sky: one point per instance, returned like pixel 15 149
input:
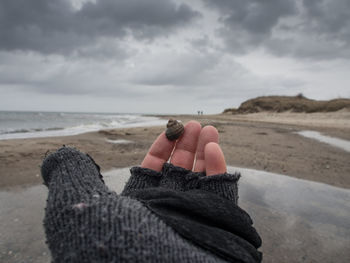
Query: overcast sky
pixel 169 56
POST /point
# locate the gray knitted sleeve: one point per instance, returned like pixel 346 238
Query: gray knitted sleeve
pixel 86 222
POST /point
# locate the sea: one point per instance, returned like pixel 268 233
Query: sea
pixel 19 125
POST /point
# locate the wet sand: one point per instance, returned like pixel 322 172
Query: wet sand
pixel 298 220
pixel 263 141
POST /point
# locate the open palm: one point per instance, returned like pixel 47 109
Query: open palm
pixel 197 149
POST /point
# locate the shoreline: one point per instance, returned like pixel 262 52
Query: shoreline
pixel 94 125
pixel 265 142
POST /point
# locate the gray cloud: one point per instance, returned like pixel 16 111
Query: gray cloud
pixel 249 23
pixel 256 17
pixel 316 29
pixel 149 55
pixel 54 26
pixel 331 17
pixel 186 69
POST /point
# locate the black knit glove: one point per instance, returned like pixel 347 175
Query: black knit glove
pixel 86 222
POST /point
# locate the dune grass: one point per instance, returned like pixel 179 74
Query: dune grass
pixel 297 103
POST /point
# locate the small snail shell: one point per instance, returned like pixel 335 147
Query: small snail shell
pixel 174 129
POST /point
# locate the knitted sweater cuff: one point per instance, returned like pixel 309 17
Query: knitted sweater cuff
pixel 141 178
pixel 180 179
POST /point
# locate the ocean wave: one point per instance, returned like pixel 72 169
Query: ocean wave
pixel 118 121
pixel 29 130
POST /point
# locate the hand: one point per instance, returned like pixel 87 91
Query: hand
pixel 197 149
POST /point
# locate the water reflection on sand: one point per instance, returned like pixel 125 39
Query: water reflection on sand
pixel 299 220
pixel 339 143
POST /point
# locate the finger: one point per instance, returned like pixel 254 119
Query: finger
pixel 185 148
pixel 208 134
pixel 214 159
pixel 159 153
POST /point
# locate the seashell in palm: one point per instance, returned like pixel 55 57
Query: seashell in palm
pixel 174 129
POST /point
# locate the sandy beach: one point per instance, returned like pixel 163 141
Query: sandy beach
pixel 263 141
pixel 299 221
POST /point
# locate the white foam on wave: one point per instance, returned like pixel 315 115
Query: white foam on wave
pixel 121 121
pixel 121 141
